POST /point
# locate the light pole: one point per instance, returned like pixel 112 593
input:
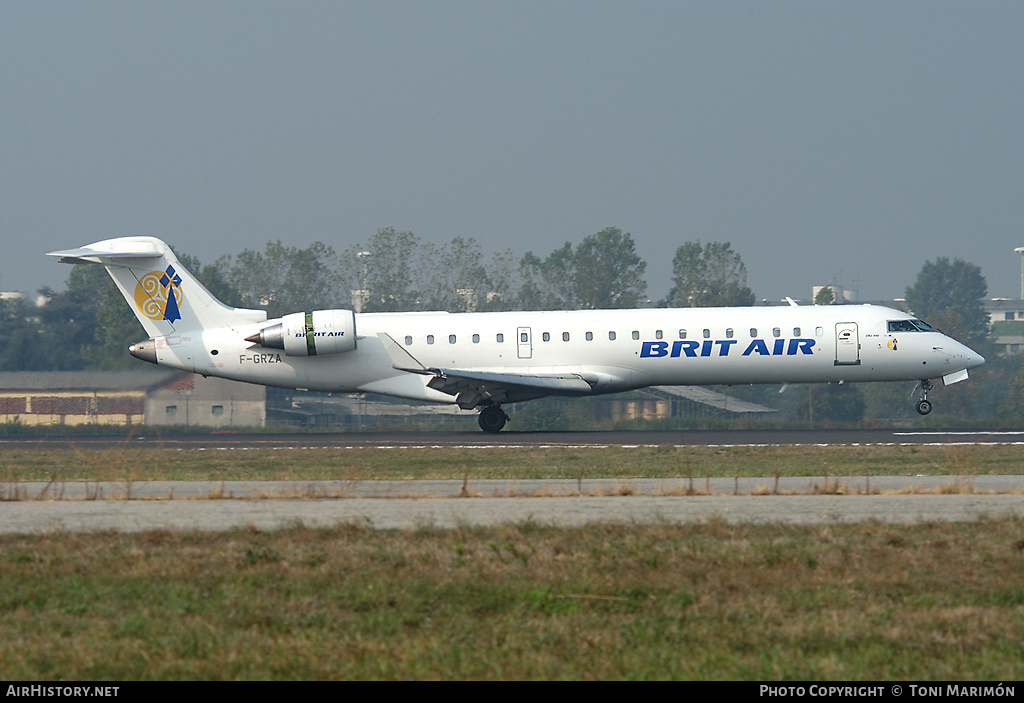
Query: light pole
pixel 364 295
pixel 1020 250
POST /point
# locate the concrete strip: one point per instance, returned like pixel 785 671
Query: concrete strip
pixel 404 513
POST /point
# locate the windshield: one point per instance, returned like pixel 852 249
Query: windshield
pixel 910 326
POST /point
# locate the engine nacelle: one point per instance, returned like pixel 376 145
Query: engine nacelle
pixel 311 333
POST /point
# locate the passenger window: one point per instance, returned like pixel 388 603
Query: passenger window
pixel 776 332
pixel 682 334
pixel 611 336
pixel 565 336
pixel 499 338
pixel 819 331
pixel 408 340
pixel 546 336
pixel 590 336
pixel 636 334
pixel 707 334
pixel 476 339
pixel 796 331
pixel 753 332
pixel 658 334
pixel 451 339
pixel 728 333
pixel 430 339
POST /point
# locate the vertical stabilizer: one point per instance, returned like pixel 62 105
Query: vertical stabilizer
pixel 165 297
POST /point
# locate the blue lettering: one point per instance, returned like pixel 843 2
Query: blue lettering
pixel 689 348
pixel 758 346
pixel 692 348
pixel 654 349
pixel 804 345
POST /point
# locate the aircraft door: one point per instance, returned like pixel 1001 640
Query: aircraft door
pixel 524 343
pixel 847 344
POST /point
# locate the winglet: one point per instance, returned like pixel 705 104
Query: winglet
pixel 400 358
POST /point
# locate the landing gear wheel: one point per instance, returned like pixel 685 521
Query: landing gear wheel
pixel 924 405
pixel 492 419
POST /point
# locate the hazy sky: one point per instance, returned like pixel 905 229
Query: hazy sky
pixel 846 141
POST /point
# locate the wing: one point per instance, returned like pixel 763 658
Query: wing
pixel 473 388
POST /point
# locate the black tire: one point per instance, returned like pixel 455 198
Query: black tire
pixel 492 419
pixel 924 407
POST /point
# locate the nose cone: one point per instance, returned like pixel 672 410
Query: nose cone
pixel 967 356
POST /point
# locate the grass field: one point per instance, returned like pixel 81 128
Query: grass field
pixel 710 601
pixel 826 603
pixel 148 464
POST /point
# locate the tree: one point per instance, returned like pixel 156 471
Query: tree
pixel 454 276
pixel 215 277
pixel 502 274
pixel 608 271
pixel 604 271
pixel 709 275
pixel 825 296
pixel 549 284
pixel 22 345
pixel 387 268
pixel 944 287
pixel 284 279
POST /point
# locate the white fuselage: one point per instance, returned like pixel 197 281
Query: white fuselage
pixel 613 350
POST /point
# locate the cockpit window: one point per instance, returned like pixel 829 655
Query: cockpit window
pixel 909 326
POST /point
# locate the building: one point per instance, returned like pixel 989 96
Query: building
pixel 1006 324
pixel 152 397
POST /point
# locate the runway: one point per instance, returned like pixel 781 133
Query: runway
pixel 149 437
pixel 267 505
pixel 270 505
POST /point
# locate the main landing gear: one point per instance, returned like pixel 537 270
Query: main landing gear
pixel 492 418
pixel 924 406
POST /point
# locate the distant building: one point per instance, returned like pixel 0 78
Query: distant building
pixel 1006 324
pixel 128 398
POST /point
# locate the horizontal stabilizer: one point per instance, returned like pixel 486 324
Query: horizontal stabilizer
pixel 124 248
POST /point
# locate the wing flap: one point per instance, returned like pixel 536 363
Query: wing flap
pixel 473 388
pixel 556 383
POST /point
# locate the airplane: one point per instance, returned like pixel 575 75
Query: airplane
pixel 486 360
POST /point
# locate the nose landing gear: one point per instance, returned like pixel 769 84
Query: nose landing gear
pixel 924 406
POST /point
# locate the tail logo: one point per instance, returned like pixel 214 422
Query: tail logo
pixel 158 295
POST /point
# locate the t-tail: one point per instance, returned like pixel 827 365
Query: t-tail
pixel 165 297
